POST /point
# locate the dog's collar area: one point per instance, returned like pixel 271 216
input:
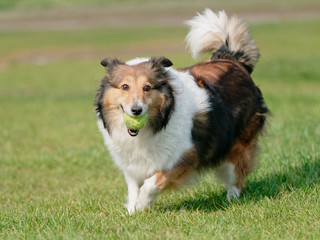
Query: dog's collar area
pixel 133 133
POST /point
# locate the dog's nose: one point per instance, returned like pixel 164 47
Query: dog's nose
pixel 136 110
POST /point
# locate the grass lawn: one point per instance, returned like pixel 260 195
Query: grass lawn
pixel 245 4
pixel 57 180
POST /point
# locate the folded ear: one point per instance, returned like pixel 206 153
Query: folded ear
pixel 111 63
pixel 158 62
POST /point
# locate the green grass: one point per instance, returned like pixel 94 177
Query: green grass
pixel 57 181
pixel 245 4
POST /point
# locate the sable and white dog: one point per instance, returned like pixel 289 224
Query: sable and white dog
pixel 207 116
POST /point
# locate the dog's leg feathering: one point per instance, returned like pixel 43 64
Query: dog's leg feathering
pixel 147 194
pixel 133 192
pixel 182 174
pixel 226 174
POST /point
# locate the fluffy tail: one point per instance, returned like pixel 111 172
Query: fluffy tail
pixel 223 37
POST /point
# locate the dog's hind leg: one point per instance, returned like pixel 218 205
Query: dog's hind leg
pixel 243 155
pixel 227 175
pixel 233 172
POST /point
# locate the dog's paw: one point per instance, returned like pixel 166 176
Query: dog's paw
pixel 144 205
pixel 147 194
pixel 141 204
pixel 233 193
pixel 145 201
pixel 130 208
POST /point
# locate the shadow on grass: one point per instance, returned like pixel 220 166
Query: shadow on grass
pixel 274 185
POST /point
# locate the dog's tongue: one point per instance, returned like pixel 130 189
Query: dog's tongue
pixel 133 133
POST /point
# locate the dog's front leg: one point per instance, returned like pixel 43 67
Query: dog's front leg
pixel 148 193
pixel 133 192
pixel 183 173
pixel 154 185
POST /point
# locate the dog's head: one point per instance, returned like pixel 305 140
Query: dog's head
pixel 135 89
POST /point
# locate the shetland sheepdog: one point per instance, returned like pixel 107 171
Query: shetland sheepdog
pixel 207 116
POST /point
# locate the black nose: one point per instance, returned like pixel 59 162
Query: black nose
pixel 136 110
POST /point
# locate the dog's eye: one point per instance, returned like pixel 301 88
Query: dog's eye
pixel 146 88
pixel 125 87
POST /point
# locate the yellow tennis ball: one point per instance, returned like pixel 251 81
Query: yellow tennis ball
pixel 135 123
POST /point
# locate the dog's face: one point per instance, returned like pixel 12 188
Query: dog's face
pixel 135 90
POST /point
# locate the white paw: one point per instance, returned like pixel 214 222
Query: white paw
pixel 233 193
pixel 143 206
pixel 145 201
pixel 130 208
pixel 147 194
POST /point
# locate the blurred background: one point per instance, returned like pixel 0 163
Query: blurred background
pixel 56 177
pixel 67 21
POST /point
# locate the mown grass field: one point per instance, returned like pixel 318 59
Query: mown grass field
pixel 57 180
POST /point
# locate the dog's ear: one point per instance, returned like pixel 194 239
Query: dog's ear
pixel 159 62
pixel 111 63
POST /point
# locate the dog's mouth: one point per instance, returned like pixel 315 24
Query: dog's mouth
pixel 133 133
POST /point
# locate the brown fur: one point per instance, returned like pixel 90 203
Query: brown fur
pixel 181 174
pixel 245 150
pixel 111 106
pixel 231 82
pixel 136 77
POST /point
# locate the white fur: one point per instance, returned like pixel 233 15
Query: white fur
pixel 233 193
pixel 226 174
pixel 148 193
pixel 136 61
pixel 209 31
pixel 133 193
pixel 141 156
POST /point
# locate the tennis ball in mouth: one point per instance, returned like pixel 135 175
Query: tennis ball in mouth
pixel 135 123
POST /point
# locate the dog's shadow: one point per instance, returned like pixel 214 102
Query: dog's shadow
pixel 272 186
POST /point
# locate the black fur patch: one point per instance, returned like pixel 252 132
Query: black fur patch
pixel 160 62
pixel 161 120
pixel 111 63
pixel 211 133
pixel 234 101
pixel 224 53
pixel 162 84
pixel 98 102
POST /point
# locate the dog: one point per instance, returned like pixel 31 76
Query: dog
pixel 206 116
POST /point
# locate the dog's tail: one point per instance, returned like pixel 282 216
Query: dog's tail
pixel 223 37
